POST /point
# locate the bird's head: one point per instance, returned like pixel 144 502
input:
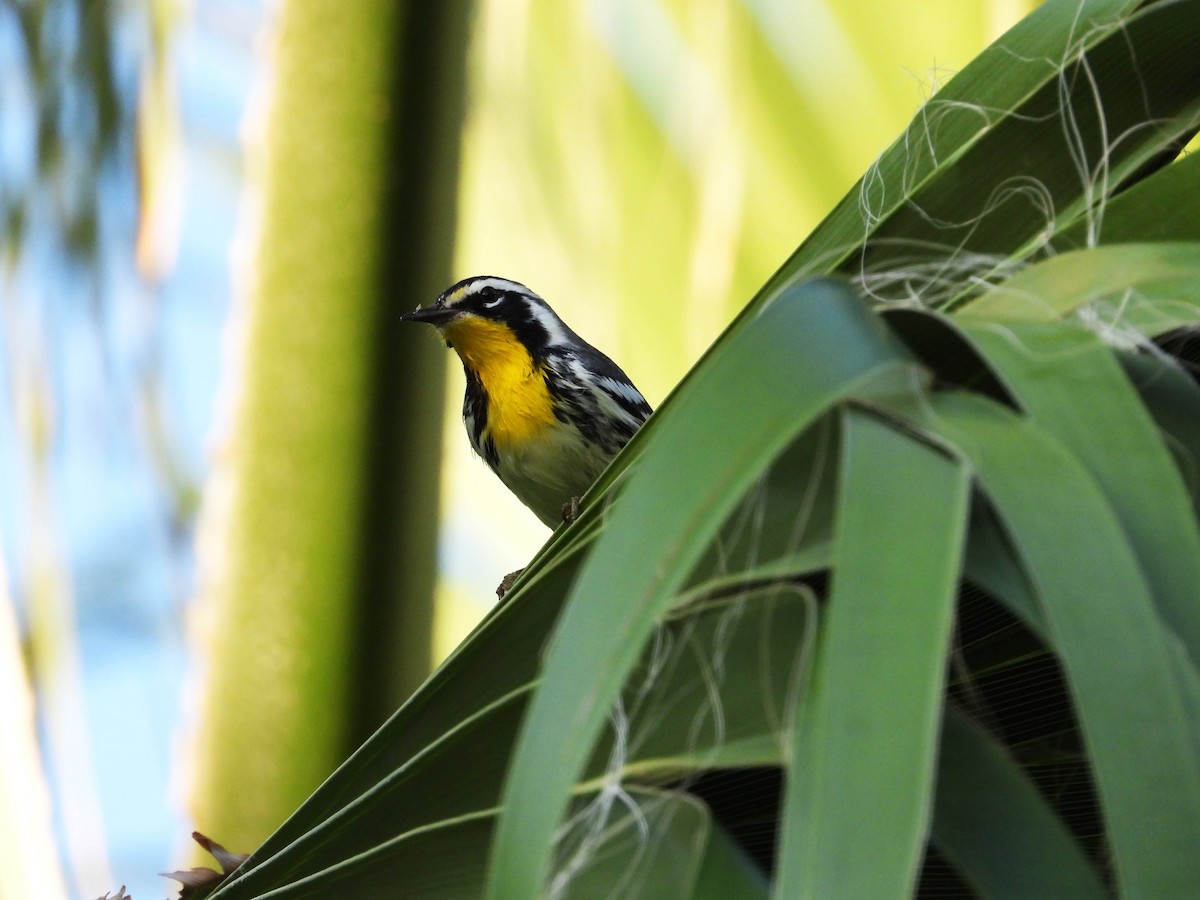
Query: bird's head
pixel 484 317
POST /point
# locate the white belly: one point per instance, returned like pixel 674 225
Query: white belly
pixel 546 473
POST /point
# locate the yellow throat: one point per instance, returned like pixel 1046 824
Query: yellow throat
pixel 519 404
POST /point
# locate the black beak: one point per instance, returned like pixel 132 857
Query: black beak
pixel 433 315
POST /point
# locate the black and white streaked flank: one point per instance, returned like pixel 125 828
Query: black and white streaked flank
pixel 595 407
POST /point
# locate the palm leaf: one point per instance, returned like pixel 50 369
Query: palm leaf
pixel 877 682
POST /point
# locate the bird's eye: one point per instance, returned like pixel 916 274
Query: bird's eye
pixel 492 299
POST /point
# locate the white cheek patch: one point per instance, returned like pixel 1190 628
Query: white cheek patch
pixel 556 335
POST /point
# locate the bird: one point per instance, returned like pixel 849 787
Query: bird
pixel 544 409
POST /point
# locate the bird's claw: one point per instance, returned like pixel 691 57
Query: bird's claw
pixel 506 583
pixel 570 510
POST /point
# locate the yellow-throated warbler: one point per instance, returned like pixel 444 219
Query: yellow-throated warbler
pixel 545 409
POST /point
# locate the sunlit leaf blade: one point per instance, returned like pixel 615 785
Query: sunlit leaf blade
pixel 859 790
pixel 992 823
pixel 1144 289
pixel 1071 384
pixel 767 387
pixel 1119 658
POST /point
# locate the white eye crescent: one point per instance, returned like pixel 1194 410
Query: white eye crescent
pixel 491 304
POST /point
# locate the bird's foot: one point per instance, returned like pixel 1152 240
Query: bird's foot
pixel 570 510
pixel 506 583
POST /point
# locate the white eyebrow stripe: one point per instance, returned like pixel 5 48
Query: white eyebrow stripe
pixel 474 287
